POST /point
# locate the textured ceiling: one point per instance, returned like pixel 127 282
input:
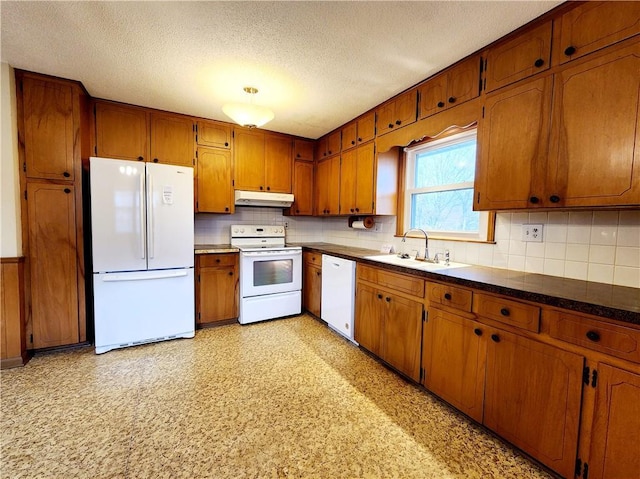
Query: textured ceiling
pixel 317 64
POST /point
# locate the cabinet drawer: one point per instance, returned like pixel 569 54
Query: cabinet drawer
pixel 450 296
pixel 608 338
pixel 509 312
pixel 312 258
pixel 399 282
pixel 211 260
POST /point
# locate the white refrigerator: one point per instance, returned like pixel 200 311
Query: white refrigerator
pixel 142 241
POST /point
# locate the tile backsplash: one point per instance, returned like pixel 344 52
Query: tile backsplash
pixel 600 246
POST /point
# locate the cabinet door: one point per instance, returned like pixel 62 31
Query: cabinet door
pixel 328 186
pixel 172 140
pixel 519 58
pixel 49 129
pixel 595 25
pixel 213 133
pixel 532 398
pixel 595 142
pixel 365 167
pixel 277 164
pixel 385 118
pixel 249 160
pixel 513 147
pixel 121 132
pixel 218 289
pixel 615 435
pixel 368 321
pixel 348 175
pixel 53 263
pixel 433 96
pixel 463 82
pixel 215 192
pixel 303 150
pixel 312 290
pixel 402 334
pixel 334 143
pixel 302 188
pixel 366 127
pixel 453 358
pixel 406 108
pixel 349 135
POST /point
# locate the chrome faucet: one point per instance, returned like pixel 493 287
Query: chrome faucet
pixel 426 242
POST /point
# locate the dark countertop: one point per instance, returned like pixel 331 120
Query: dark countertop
pixel 214 248
pixel 608 301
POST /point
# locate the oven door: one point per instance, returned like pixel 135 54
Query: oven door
pixel 269 272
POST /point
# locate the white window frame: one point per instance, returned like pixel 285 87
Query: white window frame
pixel 410 157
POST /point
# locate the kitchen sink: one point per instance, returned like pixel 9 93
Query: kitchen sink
pixel 413 263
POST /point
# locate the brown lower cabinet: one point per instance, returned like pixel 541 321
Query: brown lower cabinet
pixel 217 283
pixel 312 282
pixel 536 375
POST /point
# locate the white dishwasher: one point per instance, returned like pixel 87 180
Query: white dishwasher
pixel 338 294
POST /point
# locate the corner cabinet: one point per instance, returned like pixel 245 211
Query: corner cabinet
pixel 217 283
pixel 565 140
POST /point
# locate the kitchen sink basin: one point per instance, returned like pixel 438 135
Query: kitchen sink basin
pixel 413 263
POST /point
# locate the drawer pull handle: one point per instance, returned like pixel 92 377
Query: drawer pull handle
pixel 495 338
pixel 504 312
pixel 447 296
pixel 593 336
pixel 478 331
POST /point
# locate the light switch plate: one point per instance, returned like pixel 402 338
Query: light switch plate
pixel 532 233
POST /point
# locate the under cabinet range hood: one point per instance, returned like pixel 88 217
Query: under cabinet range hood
pixel 263 198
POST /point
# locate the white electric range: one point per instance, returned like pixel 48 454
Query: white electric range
pixel 270 273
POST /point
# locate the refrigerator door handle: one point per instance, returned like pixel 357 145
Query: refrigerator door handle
pixel 142 224
pixel 150 211
pixel 115 277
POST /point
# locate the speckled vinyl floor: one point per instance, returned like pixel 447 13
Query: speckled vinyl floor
pixel 280 399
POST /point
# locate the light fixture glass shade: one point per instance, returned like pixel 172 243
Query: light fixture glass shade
pixel 248 114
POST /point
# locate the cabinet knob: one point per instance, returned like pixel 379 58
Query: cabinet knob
pixel 141 158
pixel 226 208
pixel 495 338
pixel 534 199
pixel 155 160
pixel 379 296
pixel 447 296
pixel 353 142
pixel 66 174
pixel 67 190
pixel 539 62
pixel 297 211
pixel 593 336
pixel 554 199
pixel 351 210
pixel 357 210
pixel 387 299
pixel 261 188
pixel 505 312
pixel 329 151
pixel 440 104
pixel 452 99
pixel 268 188
pixel 390 125
pixel 319 273
pixel 359 139
pixel 230 273
pixel 226 143
pixel 298 155
pixel 478 332
pixel 398 122
pixel 570 50
pixel 217 260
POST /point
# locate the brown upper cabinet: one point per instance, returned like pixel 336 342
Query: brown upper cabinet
pixel 450 88
pixel 400 111
pixel 594 25
pixel 357 173
pixel 518 58
pixel 328 186
pixel 263 161
pixel 214 191
pixel 359 131
pixel 303 149
pixel 302 189
pixel 328 145
pixel 49 129
pixel 132 133
pixel 567 140
pixel 213 133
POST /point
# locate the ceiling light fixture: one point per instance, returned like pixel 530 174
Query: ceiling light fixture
pixel 248 114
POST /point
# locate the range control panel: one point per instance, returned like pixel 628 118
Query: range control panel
pixel 257 231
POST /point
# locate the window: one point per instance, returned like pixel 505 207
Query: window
pixel 439 189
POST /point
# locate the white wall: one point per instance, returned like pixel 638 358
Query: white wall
pixel 10 234
pixel 600 246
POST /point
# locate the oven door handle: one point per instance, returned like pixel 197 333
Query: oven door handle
pixel 262 254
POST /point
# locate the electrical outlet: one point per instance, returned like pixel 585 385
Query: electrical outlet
pixel 286 224
pixel 532 233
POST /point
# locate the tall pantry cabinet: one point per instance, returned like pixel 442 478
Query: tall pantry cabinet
pixel 52 143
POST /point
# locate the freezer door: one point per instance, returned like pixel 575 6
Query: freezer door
pixel 117 215
pixel 169 216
